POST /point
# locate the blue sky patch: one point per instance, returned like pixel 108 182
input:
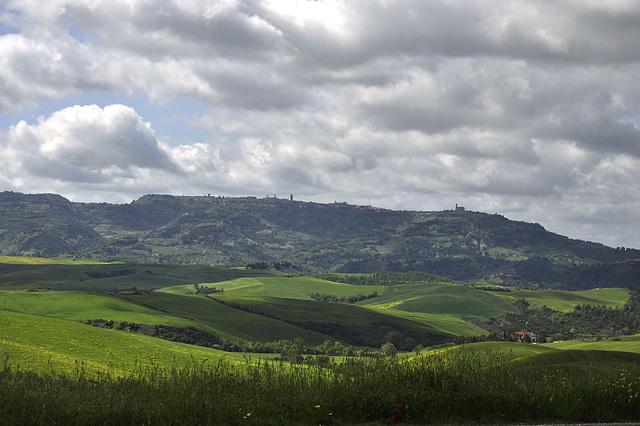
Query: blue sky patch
pixel 6 28
pixel 167 120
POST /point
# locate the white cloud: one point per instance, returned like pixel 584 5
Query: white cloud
pixel 85 143
pixel 525 108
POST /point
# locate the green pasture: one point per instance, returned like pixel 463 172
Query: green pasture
pixel 492 349
pixel 296 310
pixel 44 344
pixel 566 354
pixel 622 344
pixel 441 298
pixel 81 306
pixel 574 358
pixel 565 301
pixel 156 308
pixel 348 322
pixel 446 307
pixel 448 324
pixel 111 277
pixel 283 287
pixel 226 321
pixel 60 260
pixel 300 287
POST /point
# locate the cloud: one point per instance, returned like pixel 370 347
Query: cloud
pixel 530 109
pixel 86 143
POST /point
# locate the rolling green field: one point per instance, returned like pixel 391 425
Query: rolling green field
pixel 111 277
pixel 157 308
pixel 622 344
pixel 354 324
pixel 86 374
pixel 48 345
pixel 274 307
pixel 285 287
pixel 577 351
pixel 441 298
pixel 60 260
pixel 564 301
pixel 445 323
pixel 444 307
pixel 262 306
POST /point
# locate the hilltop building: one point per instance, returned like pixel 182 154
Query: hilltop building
pixel 526 337
pixel 459 208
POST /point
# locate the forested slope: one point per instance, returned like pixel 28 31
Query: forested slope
pixel 316 237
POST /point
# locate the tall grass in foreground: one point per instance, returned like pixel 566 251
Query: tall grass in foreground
pixel 459 387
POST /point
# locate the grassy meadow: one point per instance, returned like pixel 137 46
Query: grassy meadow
pixel 46 345
pixel 156 308
pixel 477 383
pixel 620 344
pixel 59 260
pixel 564 301
pixel 441 298
pixel 282 287
pixel 55 369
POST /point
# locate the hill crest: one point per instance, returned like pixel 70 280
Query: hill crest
pixel 338 237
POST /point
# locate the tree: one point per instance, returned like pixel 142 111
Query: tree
pixel 389 350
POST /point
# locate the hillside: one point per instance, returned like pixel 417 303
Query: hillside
pixel 336 237
pixel 269 305
pixel 43 344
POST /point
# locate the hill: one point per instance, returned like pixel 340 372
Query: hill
pixel 266 306
pixel 42 344
pixel 97 277
pixel 317 237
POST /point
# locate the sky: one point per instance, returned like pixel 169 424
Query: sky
pixel 525 108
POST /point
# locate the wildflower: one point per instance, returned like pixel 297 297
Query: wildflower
pixel 370 387
pixel 393 419
pixel 318 406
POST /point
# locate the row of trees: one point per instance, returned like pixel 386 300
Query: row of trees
pixel 278 266
pixel 189 335
pixel 203 289
pixel 384 278
pixel 296 351
pixel 330 298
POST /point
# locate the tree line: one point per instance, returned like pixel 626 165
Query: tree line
pixel 330 298
pixel 296 351
pixel 584 321
pixel 384 278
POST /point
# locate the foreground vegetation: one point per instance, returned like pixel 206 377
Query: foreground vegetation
pixel 473 384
